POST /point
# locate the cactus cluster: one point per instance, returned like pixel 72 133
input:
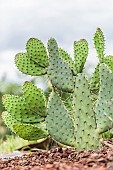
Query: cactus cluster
pixel 78 110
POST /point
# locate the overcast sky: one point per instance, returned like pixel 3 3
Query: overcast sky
pixel 65 20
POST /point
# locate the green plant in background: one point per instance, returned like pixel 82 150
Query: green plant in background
pixel 78 110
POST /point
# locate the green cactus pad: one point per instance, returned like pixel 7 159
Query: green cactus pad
pixel 95 81
pixel 99 43
pixel 30 132
pixel 37 52
pixel 18 109
pixel 109 62
pixel 58 71
pixel 28 66
pixel 85 123
pixel 80 54
pixel 59 123
pixel 14 105
pixel 35 98
pixel 8 120
pixel 68 60
pixel 104 105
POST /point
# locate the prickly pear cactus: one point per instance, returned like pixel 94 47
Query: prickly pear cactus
pixel 58 71
pixel 59 123
pixel 15 104
pixel 30 131
pixel 70 115
pixel 79 130
pixel 59 66
pixel 26 112
pixel 99 43
pixel 34 97
pixel 80 54
pixel 104 105
pixel 84 115
pixel 37 52
pixel 28 66
pixel 9 120
pixel 109 62
pixel 35 61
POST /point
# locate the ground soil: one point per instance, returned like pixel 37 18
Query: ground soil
pixel 63 159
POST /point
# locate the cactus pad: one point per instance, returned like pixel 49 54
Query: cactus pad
pixel 104 105
pixel 30 132
pixel 37 52
pixel 14 105
pixel 99 43
pixel 95 80
pixel 109 62
pixel 68 60
pixel 28 66
pixel 18 109
pixel 58 71
pixel 9 120
pixel 85 123
pixel 59 123
pixel 34 98
pixel 80 54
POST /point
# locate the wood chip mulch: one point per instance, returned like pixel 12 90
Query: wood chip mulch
pixel 62 159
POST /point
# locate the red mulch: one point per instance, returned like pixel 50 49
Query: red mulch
pixel 63 159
